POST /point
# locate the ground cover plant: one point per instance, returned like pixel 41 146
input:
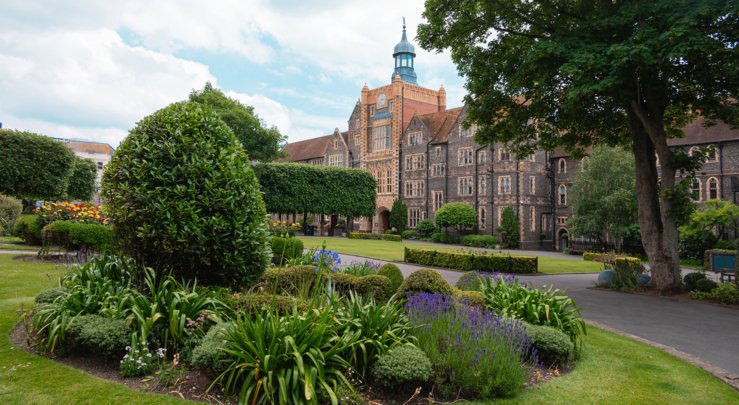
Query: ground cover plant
pixel 639 369
pixel 393 251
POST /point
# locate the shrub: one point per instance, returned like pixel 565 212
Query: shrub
pixel 49 296
pixel 10 211
pixel 457 214
pixel 374 287
pixel 365 235
pixel 469 281
pixel 469 298
pixel 704 285
pixel 408 234
pixel 425 228
pixel 726 293
pixel 209 355
pixel 393 273
pixel 471 350
pixel 484 241
pixel 399 215
pixel 283 304
pixel 392 238
pixel 347 395
pixel 285 249
pixel 627 269
pixel 442 237
pixel 365 268
pixel 401 366
pixel 82 179
pixel 182 196
pixel 554 348
pixel 467 261
pixel 424 280
pixel 297 280
pixel 77 236
pixel 691 279
pixel 543 306
pixel 96 334
pixel 508 229
pixel 28 228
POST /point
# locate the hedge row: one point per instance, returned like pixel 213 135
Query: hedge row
pixel 467 261
pixel 602 257
pixel 76 236
pixel 299 280
pixel 374 236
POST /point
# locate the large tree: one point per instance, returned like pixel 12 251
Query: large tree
pixel 562 73
pixel 82 180
pixel 603 197
pixel 260 142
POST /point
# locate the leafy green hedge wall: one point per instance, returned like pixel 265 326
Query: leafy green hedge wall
pixel 293 187
pixel 467 261
pixel 76 236
pixel 374 236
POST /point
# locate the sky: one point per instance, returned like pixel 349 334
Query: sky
pixel 91 69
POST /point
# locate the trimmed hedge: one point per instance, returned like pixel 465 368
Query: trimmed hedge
pixel 469 281
pixel 28 228
pixel 610 257
pixel 255 303
pixel 403 366
pixel 374 236
pixel 468 261
pixel 553 346
pixel 209 355
pixel 48 296
pixel 289 281
pixel 284 249
pixel 77 236
pixel 376 287
pixel 424 280
pixel 470 298
pixel 96 334
pixel 408 234
pixel 483 241
pixel 392 272
pixel 442 237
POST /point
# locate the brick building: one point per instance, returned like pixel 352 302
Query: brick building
pixel 420 152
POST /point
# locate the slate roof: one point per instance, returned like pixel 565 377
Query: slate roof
pixel 79 145
pixel 440 123
pixel 308 149
pixel 696 133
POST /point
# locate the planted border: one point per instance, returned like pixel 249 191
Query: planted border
pixel 468 261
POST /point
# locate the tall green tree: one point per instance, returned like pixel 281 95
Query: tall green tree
pixel 81 185
pixel 510 235
pixel 603 196
pixel 573 74
pixel 399 215
pixel 704 228
pixel 260 142
pixel 457 214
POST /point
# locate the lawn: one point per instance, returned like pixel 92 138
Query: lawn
pixel 13 243
pixel 613 369
pixel 393 251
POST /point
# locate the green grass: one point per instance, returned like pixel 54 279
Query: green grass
pixel 613 369
pixel 29 379
pixel 393 251
pixel 13 243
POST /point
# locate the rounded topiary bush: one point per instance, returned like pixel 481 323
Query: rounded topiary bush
pixel 469 281
pixel 392 272
pixel 402 365
pixel 704 285
pixel 554 347
pixel 425 280
pixel 470 298
pixel 284 249
pixel 283 304
pixel 209 354
pixel 49 296
pixel 291 281
pixel 691 279
pixel 98 335
pixel 182 197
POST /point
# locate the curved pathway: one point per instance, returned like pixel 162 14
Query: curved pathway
pixel 706 331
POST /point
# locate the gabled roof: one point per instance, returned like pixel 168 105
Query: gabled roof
pixel 79 145
pixel 308 149
pixel 345 136
pixel 440 124
pixel 696 133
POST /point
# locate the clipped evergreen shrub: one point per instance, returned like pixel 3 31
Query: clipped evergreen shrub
pixel 255 303
pixel 290 281
pixel 705 285
pixel 10 211
pixel 554 347
pixel 182 197
pixel 424 280
pixel 209 354
pixel 442 237
pixel 284 249
pixel 425 228
pixel 49 296
pixel 392 238
pixel 392 272
pixel 469 281
pixel 28 228
pixel 376 287
pixel 690 280
pixel 402 368
pixel 77 236
pixel 408 234
pixel 470 298
pixel 468 261
pixel 483 241
pixel 365 235
pixel 82 179
pixel 98 335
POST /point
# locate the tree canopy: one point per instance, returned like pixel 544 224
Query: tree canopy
pixel 292 187
pixel 260 142
pixel 34 166
pixel 573 74
pixel 603 196
pixel 399 215
pixel 82 180
pixel 457 214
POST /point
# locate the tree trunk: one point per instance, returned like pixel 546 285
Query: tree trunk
pixel 656 222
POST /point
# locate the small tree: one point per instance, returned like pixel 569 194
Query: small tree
pixel 82 180
pixel 399 216
pixel 456 214
pixel 702 231
pixel 508 229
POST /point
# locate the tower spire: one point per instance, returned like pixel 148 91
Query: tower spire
pixel 404 54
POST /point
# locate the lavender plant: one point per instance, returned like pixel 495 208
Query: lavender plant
pixel 474 352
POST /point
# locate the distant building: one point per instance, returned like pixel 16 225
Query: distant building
pixel 418 151
pixel 98 152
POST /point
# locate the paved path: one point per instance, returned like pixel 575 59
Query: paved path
pixel 709 332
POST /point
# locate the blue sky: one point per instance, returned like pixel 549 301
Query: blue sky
pixel 91 69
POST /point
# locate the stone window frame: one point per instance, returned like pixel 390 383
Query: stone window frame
pixel 467 183
pixel 438 199
pixel 465 156
pixel 482 184
pixel 504 185
pixel 482 219
pixel 532 220
pixel 562 197
pixel 561 165
pixel 713 181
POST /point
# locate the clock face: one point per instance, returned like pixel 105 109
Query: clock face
pixel 381 99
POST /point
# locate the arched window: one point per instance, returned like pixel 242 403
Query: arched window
pixel 483 218
pixel 695 190
pixel 712 154
pixel 561 166
pixel 692 151
pixel 712 187
pixel 584 163
pixel 562 196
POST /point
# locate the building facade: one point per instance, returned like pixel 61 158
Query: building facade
pixel 421 152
